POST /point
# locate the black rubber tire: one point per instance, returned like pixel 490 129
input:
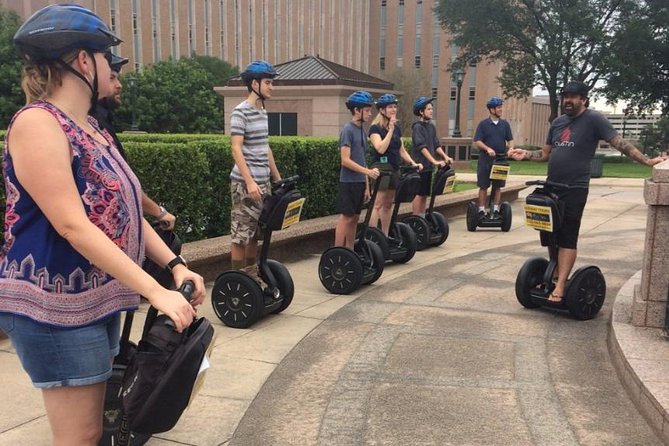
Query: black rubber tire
pixel 285 284
pixel 530 276
pixel 340 270
pixel 585 293
pixel 407 240
pixel 372 259
pixel 505 213
pixel 377 236
pixel 237 299
pixel 421 229
pixel 472 217
pixel 440 226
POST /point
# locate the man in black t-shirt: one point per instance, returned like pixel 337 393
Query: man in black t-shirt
pixel 103 114
pixel 570 146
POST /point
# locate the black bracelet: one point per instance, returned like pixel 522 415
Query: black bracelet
pixel 178 260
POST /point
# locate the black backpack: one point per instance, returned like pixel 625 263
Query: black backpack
pixel 159 380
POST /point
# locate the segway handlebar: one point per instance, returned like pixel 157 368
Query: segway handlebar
pixel 408 169
pixel 547 183
pixel 187 289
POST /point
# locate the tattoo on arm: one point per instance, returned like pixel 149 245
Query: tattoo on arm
pixel 536 155
pixel 627 149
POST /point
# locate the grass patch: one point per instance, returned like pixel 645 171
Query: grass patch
pixel 612 170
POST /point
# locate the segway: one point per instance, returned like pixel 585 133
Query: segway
pixel 498 172
pixel 586 289
pixel 115 430
pixel 342 270
pixel 432 230
pixel 238 299
pixel 400 244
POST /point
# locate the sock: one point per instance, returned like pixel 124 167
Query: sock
pixel 237 264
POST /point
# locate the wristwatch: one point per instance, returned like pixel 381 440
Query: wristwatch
pixel 163 212
pixel 178 260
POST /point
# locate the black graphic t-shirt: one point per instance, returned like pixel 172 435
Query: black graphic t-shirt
pixel 573 143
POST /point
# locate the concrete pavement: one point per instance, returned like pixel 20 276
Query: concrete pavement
pixel 438 351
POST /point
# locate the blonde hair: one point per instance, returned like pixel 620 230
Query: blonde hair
pixel 38 80
pixel 381 120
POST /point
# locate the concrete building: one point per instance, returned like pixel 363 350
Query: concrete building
pixel 399 41
pixel 630 126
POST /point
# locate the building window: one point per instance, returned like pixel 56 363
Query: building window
pixel 173 29
pixel 221 37
pixel 382 63
pixel 191 28
pixel 136 34
pixel 472 93
pixel 454 93
pixel 416 61
pixel 154 30
pixel 401 2
pixel 282 124
pixel 473 61
pixel 434 92
pixel 383 3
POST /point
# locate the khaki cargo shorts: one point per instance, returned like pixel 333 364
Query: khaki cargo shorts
pixel 245 213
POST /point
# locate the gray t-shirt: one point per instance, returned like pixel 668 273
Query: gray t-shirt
pixel 356 138
pixel 251 123
pixel 573 143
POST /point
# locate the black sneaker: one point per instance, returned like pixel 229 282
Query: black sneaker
pixel 481 215
pixel 495 215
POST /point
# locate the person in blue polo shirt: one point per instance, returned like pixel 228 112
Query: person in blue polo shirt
pixel 493 137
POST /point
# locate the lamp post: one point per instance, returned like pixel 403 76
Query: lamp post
pixel 133 103
pixel 458 77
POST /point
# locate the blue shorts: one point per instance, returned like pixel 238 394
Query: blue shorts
pixel 57 357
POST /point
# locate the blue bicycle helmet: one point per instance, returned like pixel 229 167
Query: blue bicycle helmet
pixel 420 104
pixel 494 101
pixel 575 87
pixel 117 63
pixel 359 99
pixel 385 100
pixel 258 69
pixel 58 29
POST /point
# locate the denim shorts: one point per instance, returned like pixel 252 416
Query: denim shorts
pixel 57 357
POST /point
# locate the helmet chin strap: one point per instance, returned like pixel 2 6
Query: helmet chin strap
pixel 257 93
pixel 94 87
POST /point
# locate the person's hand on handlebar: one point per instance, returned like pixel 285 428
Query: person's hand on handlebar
pixel 181 273
pixel 418 166
pixel 175 306
pixel 373 173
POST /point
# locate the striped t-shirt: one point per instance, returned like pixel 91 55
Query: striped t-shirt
pixel 251 123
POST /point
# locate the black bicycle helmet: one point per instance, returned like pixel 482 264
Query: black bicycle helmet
pixel 57 29
pixel 359 99
pixel 420 104
pixel 575 87
pixel 493 102
pixel 117 63
pixel 385 100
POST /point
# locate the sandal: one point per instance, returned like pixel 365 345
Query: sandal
pixel 554 298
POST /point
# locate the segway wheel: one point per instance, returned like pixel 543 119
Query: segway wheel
pixel 377 236
pixel 407 241
pixel 530 276
pixel 585 293
pixel 505 213
pixel 439 226
pixel 237 299
pixel 472 217
pixel 285 284
pixel 422 230
pixel 340 270
pixel 372 260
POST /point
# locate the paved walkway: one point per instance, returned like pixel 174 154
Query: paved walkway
pixel 437 352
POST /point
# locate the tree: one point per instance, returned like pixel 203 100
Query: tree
pixel 219 70
pixel 655 137
pixel 641 77
pixel 11 95
pixel 410 84
pixel 171 97
pixel 540 42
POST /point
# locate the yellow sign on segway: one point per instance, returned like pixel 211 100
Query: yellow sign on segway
pixel 293 212
pixel 539 217
pixel 499 172
pixel 450 185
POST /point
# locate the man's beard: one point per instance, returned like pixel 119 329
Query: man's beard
pixel 110 103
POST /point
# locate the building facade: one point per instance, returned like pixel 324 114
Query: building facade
pixel 389 39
